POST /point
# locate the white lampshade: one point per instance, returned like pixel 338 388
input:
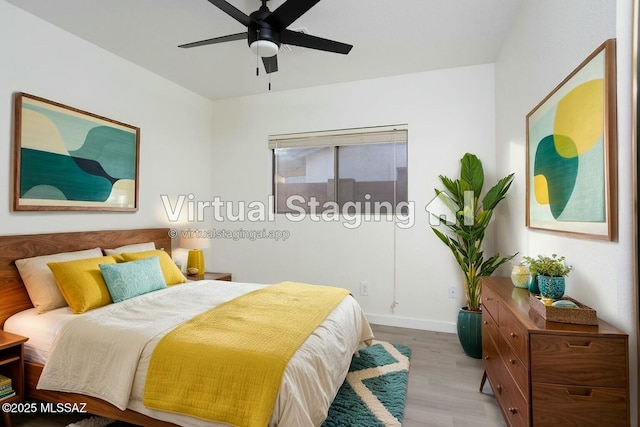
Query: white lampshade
pixel 264 48
pixel 192 241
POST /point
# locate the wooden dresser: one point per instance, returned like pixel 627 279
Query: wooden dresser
pixel 547 373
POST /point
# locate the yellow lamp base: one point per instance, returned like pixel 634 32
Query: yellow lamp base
pixel 195 260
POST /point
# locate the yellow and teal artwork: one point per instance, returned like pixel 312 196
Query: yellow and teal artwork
pixel 68 159
pixel 571 152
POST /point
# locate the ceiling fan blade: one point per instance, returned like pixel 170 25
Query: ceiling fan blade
pixel 297 38
pixel 222 39
pixel 270 63
pixel 288 12
pixel 232 11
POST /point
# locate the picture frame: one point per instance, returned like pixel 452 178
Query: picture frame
pixel 571 167
pixel 67 159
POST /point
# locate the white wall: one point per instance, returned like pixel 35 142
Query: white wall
pixel 175 139
pixel 548 40
pixel 448 113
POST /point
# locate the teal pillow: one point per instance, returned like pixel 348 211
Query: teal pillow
pixel 129 279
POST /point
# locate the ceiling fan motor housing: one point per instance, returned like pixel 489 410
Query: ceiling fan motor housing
pixel 260 30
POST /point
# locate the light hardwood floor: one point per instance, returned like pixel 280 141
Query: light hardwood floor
pixel 443 382
pixel 443 385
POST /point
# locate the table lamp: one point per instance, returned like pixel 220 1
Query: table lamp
pixel 195 257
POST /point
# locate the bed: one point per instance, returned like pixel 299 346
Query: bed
pixel 15 301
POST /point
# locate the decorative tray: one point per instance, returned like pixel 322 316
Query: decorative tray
pixel 583 315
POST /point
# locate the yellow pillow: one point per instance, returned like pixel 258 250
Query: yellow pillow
pixel 39 281
pixel 81 283
pixel 170 271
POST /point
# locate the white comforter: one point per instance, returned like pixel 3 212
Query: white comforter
pixel 105 352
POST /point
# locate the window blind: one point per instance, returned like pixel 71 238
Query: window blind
pixel 343 137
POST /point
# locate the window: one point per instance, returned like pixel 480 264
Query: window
pixel 352 171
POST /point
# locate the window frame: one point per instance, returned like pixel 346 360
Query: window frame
pixel 392 134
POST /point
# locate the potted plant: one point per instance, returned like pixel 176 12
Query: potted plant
pixel 550 273
pixel 464 234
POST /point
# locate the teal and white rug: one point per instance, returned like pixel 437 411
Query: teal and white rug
pixel 374 393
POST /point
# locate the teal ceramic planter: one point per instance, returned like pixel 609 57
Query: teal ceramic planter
pixel 533 284
pixel 551 287
pixel 470 332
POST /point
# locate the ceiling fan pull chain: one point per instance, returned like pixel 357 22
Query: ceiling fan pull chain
pixel 258 54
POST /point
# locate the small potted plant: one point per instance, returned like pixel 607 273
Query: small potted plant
pixel 550 273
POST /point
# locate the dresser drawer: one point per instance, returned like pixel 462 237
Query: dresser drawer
pixel 515 367
pixel 579 360
pixel 490 356
pixel 515 407
pixel 555 405
pixel 490 302
pixel 514 333
pixel 490 327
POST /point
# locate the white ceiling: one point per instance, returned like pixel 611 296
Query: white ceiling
pixel 389 37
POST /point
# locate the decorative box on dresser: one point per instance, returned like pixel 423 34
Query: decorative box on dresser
pixel 547 373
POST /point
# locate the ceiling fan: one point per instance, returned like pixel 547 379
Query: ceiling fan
pixel 267 30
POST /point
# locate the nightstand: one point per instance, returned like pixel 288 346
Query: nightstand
pixel 211 276
pixel 12 366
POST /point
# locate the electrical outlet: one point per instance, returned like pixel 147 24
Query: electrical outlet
pixel 364 288
pixel 453 292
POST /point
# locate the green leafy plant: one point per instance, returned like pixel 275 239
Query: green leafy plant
pixel 465 233
pixel 553 266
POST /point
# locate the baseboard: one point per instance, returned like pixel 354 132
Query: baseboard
pixel 407 322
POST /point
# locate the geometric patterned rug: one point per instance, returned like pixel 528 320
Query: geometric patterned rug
pixel 374 393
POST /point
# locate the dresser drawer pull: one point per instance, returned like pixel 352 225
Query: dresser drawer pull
pixel 513 334
pixel 512 361
pixel 579 392
pixel 581 345
pixel 499 387
pixel 485 322
pixel 513 410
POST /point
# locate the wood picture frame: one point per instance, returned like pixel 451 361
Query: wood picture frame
pixel 571 185
pixel 66 159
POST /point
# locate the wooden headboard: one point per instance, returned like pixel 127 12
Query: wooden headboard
pixel 13 294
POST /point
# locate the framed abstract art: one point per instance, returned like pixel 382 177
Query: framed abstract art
pixel 69 159
pixel 571 152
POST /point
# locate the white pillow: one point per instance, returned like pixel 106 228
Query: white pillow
pixel 39 280
pixel 136 247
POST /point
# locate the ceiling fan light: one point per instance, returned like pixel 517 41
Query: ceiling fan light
pixel 264 48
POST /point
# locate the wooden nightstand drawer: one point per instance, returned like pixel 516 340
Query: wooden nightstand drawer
pixel 211 276
pixel 218 276
pixel 586 360
pixel 556 405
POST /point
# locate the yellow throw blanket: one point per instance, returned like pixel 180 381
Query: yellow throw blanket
pixel 226 364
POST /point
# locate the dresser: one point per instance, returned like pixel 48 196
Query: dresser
pixel 547 373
